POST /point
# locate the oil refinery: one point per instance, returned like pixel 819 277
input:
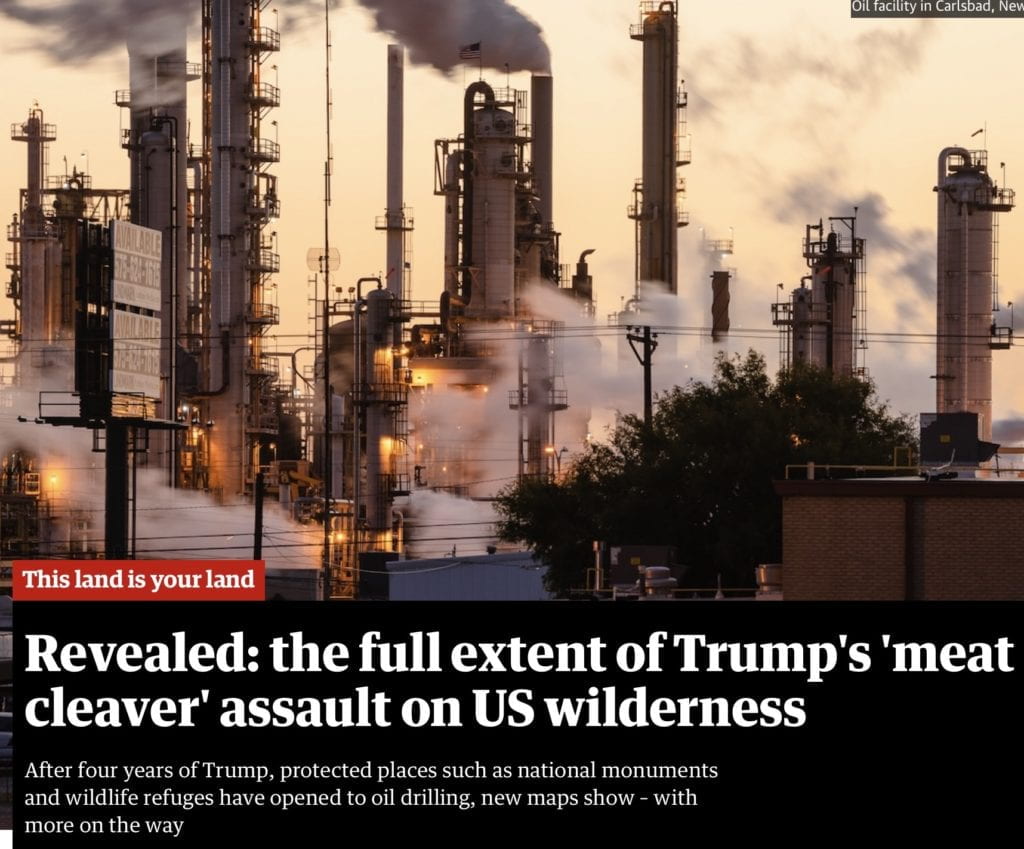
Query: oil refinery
pixel 182 351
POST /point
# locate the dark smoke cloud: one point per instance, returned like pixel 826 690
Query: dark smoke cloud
pixel 863 67
pixel 77 31
pixel 433 31
pixel 1006 431
pixel 805 199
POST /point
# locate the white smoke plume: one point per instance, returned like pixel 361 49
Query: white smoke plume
pixel 443 523
pixel 434 30
pixel 170 523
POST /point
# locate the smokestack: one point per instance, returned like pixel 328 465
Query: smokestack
pixel 395 214
pixel 719 305
pixel 541 97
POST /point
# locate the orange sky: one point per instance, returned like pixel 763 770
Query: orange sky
pixel 796 112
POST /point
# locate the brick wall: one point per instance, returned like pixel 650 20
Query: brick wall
pixel 838 548
pixel 893 540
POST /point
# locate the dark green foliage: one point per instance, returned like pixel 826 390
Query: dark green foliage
pixel 701 479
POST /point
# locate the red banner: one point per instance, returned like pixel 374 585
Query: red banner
pixel 138 580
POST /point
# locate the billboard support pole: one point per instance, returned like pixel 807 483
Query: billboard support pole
pixel 116 507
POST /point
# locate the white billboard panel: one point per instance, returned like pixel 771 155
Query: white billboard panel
pixel 136 365
pixel 136 279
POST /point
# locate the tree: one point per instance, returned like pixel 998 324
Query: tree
pixel 700 478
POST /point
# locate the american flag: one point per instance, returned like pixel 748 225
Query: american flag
pixel 470 51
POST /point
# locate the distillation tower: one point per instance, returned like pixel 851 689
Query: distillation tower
pixel 239 397
pixel 156 141
pixel 497 183
pixel 35 518
pixel 824 321
pixel 658 192
pixel 43 238
pixel 968 284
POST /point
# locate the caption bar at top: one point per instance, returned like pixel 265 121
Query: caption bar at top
pixel 936 8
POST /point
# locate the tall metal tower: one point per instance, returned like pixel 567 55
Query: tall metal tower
pixel 968 283
pixel 657 194
pixel 824 321
pixel 243 201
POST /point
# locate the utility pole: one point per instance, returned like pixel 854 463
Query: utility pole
pixel 257 534
pixel 325 269
pixel 327 453
pixel 649 341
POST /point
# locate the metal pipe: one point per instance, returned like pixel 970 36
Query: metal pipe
pixel 225 355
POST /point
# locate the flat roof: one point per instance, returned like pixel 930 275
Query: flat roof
pixel 904 487
pixel 513 560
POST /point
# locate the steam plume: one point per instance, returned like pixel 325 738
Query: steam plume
pixel 76 31
pixel 433 31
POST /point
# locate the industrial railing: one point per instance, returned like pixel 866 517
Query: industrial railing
pixel 394 222
pixel 380 393
pixel 262 314
pixel 1002 338
pixel 265 207
pixel 123 97
pixel 265 95
pixel 265 261
pixel 263 365
pixel 265 38
pixel 395 484
pixel 266 150
pixel 812 471
pixel 47 132
pixel 550 400
pixel 997 200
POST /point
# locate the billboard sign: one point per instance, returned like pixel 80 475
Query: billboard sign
pixel 135 325
pixel 137 252
pixel 136 364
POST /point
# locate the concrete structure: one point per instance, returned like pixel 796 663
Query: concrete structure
pixel 902 539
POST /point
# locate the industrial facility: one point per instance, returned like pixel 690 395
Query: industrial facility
pixel 145 316
pixel 824 322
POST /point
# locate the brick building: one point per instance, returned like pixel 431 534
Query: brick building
pixel 902 539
